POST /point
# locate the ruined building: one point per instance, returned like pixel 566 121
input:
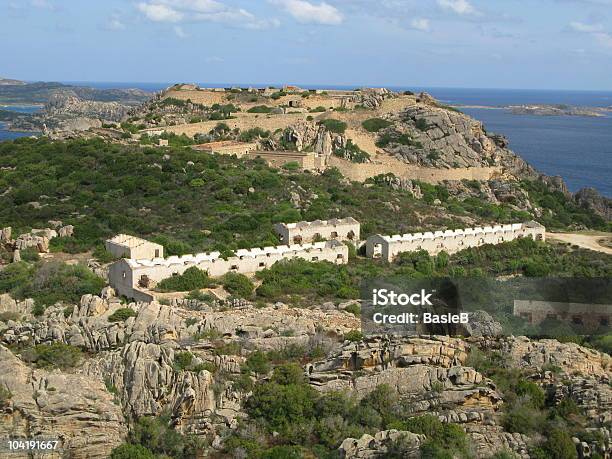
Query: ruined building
pixel 388 247
pixel 343 229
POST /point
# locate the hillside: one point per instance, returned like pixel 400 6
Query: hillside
pixel 277 364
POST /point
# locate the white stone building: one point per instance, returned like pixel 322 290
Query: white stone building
pixel 134 277
pixel 125 246
pixel 344 229
pixel 387 248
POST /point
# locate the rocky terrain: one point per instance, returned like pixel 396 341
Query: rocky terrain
pixel 129 369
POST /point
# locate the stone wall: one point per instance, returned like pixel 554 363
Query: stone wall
pixel 388 247
pixel 277 159
pixel 362 172
pixel 133 278
pixel 591 316
pixel 300 232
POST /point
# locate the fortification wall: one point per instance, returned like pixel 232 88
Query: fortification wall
pixel 389 247
pixel 128 277
pixel 243 121
pixel 362 172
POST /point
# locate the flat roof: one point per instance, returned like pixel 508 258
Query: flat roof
pixel 131 242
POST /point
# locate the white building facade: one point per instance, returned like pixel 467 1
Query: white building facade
pixel 387 248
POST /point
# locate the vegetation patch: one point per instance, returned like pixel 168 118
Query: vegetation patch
pixel 192 279
pixel 376 124
pixel 122 314
pixel 333 125
pixel 56 355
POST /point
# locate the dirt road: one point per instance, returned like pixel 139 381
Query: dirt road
pixel 601 242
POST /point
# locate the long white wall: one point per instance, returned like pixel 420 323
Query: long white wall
pixel 388 247
pixel 125 275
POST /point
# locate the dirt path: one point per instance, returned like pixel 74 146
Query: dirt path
pixel 601 242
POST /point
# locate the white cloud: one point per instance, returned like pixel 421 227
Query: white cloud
pixel 604 38
pixel 462 7
pixel 588 28
pixel 307 12
pixel 159 12
pixel 178 30
pixel 594 30
pixel 421 24
pixel 115 24
pixel 181 11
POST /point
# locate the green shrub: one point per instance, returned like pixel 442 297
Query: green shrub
pixel 128 451
pixel 333 125
pixel 353 335
pixel 422 124
pixel 559 445
pixel 49 282
pixel 159 437
pixel 122 314
pixel 292 166
pixel 192 279
pixel 258 363
pixel 5 396
pixel 55 355
pixel 376 124
pixel 238 285
pixel 354 308
pixel 260 109
pixel 300 277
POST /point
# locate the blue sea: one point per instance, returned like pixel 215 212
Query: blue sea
pixel 579 149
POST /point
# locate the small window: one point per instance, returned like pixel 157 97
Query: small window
pixel 124 274
pixel 234 268
pixel 262 264
pixel 334 234
pixel 315 258
pixel 340 256
pixel 156 253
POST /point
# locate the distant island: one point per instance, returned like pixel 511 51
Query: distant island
pixel 547 109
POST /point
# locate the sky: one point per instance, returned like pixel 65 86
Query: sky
pixel 523 44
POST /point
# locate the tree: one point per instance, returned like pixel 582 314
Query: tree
pixel 128 451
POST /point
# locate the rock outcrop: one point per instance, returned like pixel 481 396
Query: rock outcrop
pixel 74 409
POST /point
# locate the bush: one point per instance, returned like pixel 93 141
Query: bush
pixel 56 355
pixel 128 451
pixel 375 124
pixel 559 445
pixel 333 125
pixel 238 285
pixel 160 438
pixel 292 166
pixel 260 109
pixel 353 336
pixel 122 314
pixel 192 279
pixel 300 277
pixel 49 282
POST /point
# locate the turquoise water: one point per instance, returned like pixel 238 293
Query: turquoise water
pixel 10 135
